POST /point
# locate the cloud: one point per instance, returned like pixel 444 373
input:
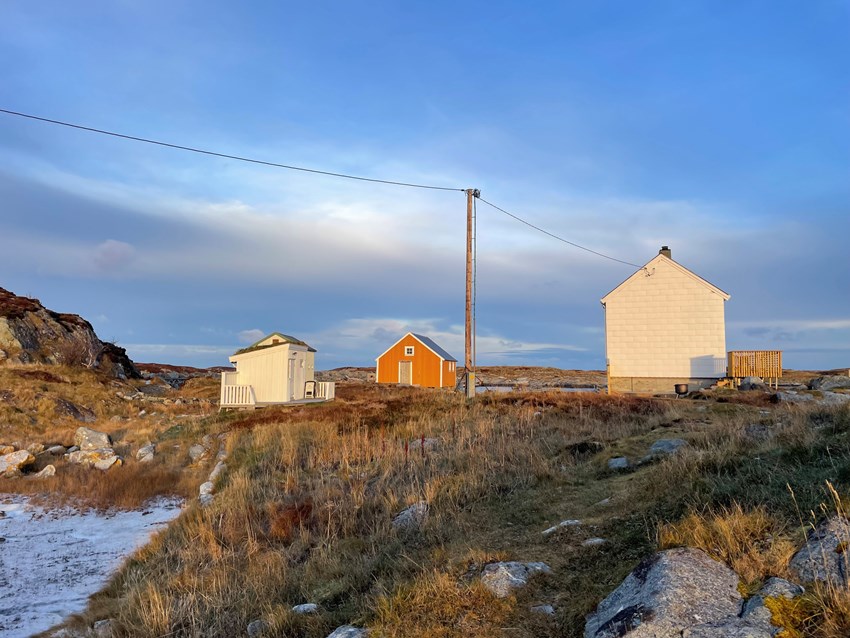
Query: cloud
pixel 250 336
pixel 113 255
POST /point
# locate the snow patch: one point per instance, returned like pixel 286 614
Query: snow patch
pixel 52 560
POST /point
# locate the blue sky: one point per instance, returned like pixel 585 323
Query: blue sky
pixel 719 128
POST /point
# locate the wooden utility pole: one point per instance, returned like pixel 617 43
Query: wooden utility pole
pixel 469 364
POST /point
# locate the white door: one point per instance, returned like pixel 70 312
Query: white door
pixel 405 372
pixel 290 381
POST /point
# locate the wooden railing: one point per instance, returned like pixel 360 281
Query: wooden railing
pixel 766 364
pixel 235 396
pixel 325 390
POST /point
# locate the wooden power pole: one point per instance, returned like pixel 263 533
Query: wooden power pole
pixel 469 363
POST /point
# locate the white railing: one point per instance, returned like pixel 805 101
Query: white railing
pixel 325 390
pixel 237 396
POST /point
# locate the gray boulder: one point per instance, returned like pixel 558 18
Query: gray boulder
pixel 257 628
pixel 101 459
pixel 46 472
pixel 88 439
pixel 197 452
pixel 546 610
pixel 146 453
pixel 619 463
pixel 411 517
pixel 501 579
pixel 833 398
pixel 348 631
pixel 16 462
pixel 572 522
pixel 102 628
pixel 56 450
pixel 823 558
pixel 663 447
pixel 755 610
pixel 830 382
pixel 752 383
pixel 793 397
pixel 306 608
pixel 667 593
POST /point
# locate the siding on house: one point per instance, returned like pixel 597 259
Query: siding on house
pixel 266 366
pixel 667 324
pixel 426 365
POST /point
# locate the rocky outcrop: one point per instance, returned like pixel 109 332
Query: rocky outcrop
pixel 667 593
pixel 88 439
pixel 824 557
pixel 830 382
pixel 411 517
pixel 502 579
pixel 95 450
pixel 14 463
pixel 146 453
pixel 30 333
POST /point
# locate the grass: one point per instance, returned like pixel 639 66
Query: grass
pixel 304 512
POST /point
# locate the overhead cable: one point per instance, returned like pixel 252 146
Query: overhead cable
pixel 558 237
pixel 226 155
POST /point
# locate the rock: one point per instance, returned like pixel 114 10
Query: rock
pixel 824 557
pixel 6 449
pixel 108 462
pixel 411 517
pixel 73 448
pixel 197 452
pixel 35 448
pixel 205 493
pixel 103 628
pixel 752 383
pixel 102 459
pixel 257 628
pixel 63 407
pixel 16 462
pixel 567 523
pixel 146 453
pixel 217 470
pixel 348 631
pixel 732 628
pixel 619 463
pixel 594 542
pixel 547 610
pixel 830 382
pixel 306 608
pixel 791 397
pixel 833 398
pixel 46 472
pixel 88 439
pixel 663 447
pixel 56 450
pixel 755 610
pixel 756 432
pixel 501 579
pixel 667 593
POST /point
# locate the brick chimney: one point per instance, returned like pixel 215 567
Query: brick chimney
pixel 665 250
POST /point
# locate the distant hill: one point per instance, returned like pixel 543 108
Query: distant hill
pixel 30 333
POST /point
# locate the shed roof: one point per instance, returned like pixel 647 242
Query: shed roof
pixel 655 260
pixel 284 339
pixel 428 343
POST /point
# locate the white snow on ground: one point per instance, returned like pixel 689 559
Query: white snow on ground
pixel 52 560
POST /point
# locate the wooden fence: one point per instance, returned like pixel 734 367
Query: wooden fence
pixel 766 364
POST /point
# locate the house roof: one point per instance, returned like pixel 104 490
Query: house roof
pixel 284 339
pixel 428 343
pixel 655 260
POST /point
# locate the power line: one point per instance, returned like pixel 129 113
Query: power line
pixel 558 237
pixel 227 156
pixel 305 170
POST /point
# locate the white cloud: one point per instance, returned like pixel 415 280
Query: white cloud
pixel 112 255
pixel 250 336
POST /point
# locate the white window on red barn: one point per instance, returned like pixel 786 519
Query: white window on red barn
pixel 408 351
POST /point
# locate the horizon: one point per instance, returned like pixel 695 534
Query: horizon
pixel 719 130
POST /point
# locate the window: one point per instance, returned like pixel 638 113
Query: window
pixel 408 351
pixel 451 366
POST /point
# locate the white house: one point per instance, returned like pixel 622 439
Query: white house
pixel 276 369
pixel 664 325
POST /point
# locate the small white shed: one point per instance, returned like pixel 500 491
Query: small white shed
pixel 277 369
pixel 664 325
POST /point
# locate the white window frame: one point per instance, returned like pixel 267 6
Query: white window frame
pixel 408 351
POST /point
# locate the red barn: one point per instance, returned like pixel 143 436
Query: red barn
pixel 417 360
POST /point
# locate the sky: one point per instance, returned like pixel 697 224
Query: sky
pixel 719 128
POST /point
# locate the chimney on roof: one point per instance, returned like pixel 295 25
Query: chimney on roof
pixel 665 250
